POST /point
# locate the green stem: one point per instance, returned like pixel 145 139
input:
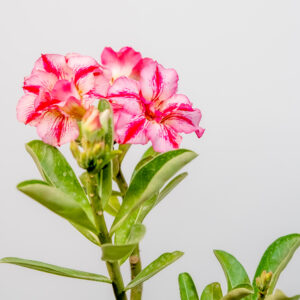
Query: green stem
pixel 136 268
pixel 113 268
pixel 135 259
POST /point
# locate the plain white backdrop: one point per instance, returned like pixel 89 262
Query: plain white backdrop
pixel 239 62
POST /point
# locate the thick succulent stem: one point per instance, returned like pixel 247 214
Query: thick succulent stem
pixel 112 267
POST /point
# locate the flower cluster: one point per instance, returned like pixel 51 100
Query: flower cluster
pixel 142 93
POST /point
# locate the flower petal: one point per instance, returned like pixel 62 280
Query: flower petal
pixel 26 111
pixel 158 82
pixel 55 64
pixel 180 115
pixel 81 65
pixel 120 63
pixel 56 129
pixel 124 96
pixel 131 129
pixel 163 138
pixel 39 80
pixel 136 71
pixel 63 90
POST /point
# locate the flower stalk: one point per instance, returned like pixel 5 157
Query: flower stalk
pixel 92 186
pixel 134 259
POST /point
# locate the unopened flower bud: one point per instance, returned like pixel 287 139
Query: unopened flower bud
pixel 75 150
pixel 104 118
pixel 91 119
pixel 90 124
pixel 263 282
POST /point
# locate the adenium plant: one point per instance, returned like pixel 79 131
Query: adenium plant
pixel 100 109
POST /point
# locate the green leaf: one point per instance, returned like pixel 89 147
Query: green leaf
pixel 112 252
pixel 109 136
pixel 212 291
pixel 112 206
pixel 149 179
pixel 91 236
pixel 235 273
pixel 136 234
pixel 187 287
pixel 43 267
pixel 57 201
pixel 170 186
pixel 136 217
pixel 275 259
pixel 105 184
pixel 57 172
pixel 237 294
pixel 147 156
pixel 156 266
pixel 279 295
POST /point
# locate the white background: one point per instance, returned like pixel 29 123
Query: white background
pixel 239 62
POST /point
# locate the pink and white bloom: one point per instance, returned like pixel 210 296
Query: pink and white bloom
pixel 150 109
pixel 121 63
pixel 57 94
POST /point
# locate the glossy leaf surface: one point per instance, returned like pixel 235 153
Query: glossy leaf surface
pixel 57 201
pixel 187 287
pixel 156 266
pixel 275 259
pixel 237 294
pixel 279 295
pixel 112 206
pixel 43 267
pixel 117 252
pixel 57 172
pixel 170 186
pixel 136 217
pixel 150 179
pixel 235 273
pixel 212 291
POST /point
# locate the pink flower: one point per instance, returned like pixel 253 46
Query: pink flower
pixel 150 109
pixel 57 94
pixel 121 63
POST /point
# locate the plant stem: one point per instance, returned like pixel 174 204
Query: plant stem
pixel 112 267
pixel 135 259
pixel 136 267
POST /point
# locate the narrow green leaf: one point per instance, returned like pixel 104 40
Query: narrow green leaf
pixel 150 179
pixel 187 287
pixel 142 211
pixel 212 291
pixel 275 259
pixel 57 201
pixel 136 217
pixel 237 294
pixel 170 186
pixel 156 266
pixel 147 156
pixel 235 273
pixel 137 232
pixel 135 236
pixel 112 206
pixel 279 295
pixel 43 267
pixel 112 252
pixel 105 184
pixel 57 172
pixel 91 236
